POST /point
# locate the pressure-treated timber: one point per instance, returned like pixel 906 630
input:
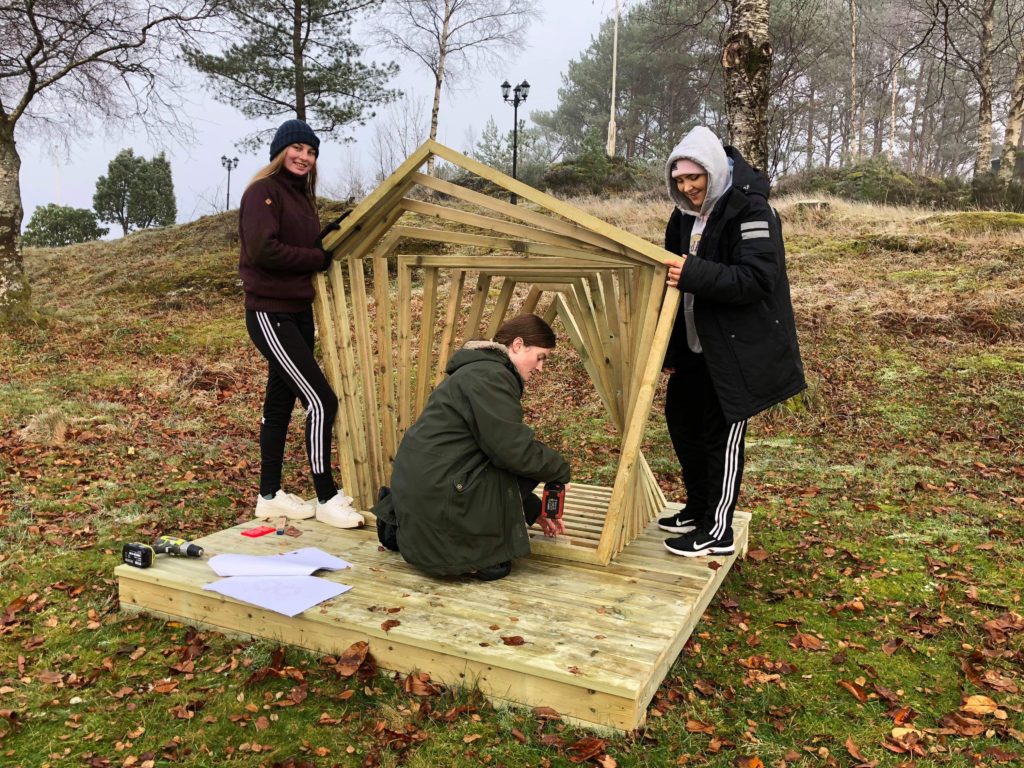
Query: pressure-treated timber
pixel 451 265
pixel 597 640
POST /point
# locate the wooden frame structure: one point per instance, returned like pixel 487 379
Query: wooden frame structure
pixel 384 354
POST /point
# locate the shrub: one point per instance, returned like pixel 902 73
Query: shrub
pixel 593 172
pixel 877 180
pixel 52 226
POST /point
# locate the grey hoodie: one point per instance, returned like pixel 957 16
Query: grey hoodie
pixel 703 147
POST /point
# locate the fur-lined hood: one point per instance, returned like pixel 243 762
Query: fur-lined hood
pixel 480 351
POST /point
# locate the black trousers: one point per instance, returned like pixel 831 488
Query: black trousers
pixel 710 450
pixel 286 341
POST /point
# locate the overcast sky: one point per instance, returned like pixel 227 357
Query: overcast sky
pixel 49 175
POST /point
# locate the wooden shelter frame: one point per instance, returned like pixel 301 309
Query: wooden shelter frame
pixel 384 354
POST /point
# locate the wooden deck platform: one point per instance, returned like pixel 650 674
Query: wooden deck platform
pixel 598 641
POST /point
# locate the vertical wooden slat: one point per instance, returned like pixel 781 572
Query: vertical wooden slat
pixel 380 470
pixel 500 307
pixel 530 303
pixel 451 322
pixel 324 310
pixel 424 367
pixel 404 333
pixel 476 311
pixel 634 429
pixel 362 491
pixel 384 362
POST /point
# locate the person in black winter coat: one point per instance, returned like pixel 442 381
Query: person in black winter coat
pixel 733 351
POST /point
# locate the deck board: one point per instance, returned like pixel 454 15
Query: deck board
pixel 598 639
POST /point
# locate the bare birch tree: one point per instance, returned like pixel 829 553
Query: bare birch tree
pixel 747 60
pixel 450 37
pixel 1014 123
pixel 81 60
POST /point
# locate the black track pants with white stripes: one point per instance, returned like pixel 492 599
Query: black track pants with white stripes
pixel 710 449
pixel 286 340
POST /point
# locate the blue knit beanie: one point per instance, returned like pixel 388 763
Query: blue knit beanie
pixel 293 132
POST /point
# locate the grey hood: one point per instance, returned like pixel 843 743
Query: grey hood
pixel 703 147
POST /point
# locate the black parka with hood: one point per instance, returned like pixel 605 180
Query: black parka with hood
pixel 454 494
pixel 742 309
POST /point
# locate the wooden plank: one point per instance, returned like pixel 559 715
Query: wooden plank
pixel 525 214
pixel 380 469
pixel 476 310
pixel 491 243
pixel 383 367
pixel 530 302
pixel 378 202
pixel 451 316
pixel 635 426
pixel 327 329
pixel 642 248
pixel 508 285
pixel 578 302
pixel 403 330
pixel 512 230
pixel 424 366
pixel 349 402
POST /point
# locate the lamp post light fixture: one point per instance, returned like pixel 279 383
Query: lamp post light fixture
pixel 519 94
pixel 230 163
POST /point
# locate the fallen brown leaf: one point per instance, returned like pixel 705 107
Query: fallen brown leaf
pixel 352 659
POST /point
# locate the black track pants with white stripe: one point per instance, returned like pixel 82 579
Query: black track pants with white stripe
pixel 286 340
pixel 710 449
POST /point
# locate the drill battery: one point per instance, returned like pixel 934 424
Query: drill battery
pixel 553 501
pixel 137 554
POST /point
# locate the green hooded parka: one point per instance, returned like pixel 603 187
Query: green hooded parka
pixel 454 494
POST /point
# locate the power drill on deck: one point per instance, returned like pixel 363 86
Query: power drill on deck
pixel 553 501
pixel 141 555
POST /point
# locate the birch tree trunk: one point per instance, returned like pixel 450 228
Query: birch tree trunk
pixel 983 160
pixel 1014 123
pixel 747 60
pixel 855 127
pixel 442 56
pixel 15 295
pixel 297 55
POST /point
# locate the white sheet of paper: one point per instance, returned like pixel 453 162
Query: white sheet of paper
pixel 289 596
pixel 300 562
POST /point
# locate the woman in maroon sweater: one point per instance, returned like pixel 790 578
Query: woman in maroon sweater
pixel 281 249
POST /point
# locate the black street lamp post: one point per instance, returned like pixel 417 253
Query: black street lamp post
pixel 519 94
pixel 230 163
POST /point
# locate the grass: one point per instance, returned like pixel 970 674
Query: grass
pixel 888 545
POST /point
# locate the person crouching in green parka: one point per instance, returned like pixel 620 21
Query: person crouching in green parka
pixel 461 495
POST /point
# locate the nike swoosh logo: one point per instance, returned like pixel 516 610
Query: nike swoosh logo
pixel 705 544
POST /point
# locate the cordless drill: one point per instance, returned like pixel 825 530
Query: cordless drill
pixel 141 555
pixel 553 500
pixel 168 545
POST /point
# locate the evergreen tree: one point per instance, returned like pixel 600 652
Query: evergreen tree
pixel 296 59
pixel 136 193
pixel 52 226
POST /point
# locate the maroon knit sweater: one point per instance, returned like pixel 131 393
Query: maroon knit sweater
pixel 278 228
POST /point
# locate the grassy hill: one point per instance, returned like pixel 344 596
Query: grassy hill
pixel 876 621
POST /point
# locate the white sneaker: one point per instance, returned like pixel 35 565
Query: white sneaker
pixel 284 505
pixel 338 511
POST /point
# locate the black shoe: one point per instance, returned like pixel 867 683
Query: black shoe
pixel 492 572
pixel 699 544
pixel 680 522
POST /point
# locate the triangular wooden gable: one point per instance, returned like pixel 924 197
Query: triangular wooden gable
pixel 605 286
